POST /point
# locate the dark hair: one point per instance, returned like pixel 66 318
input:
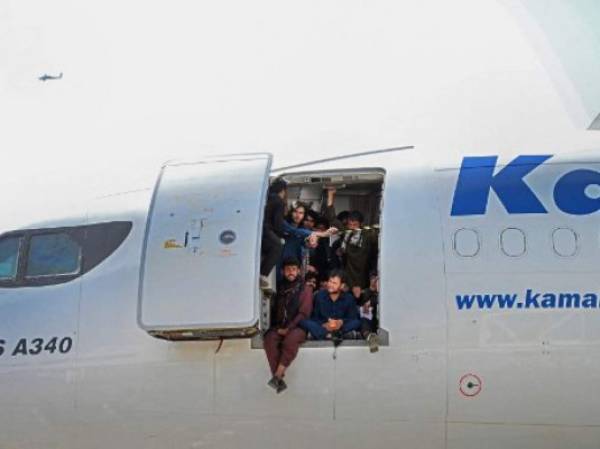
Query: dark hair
pixel 356 216
pixel 311 275
pixel 290 261
pixel 321 220
pixel 337 274
pixel 343 215
pixel 312 214
pixel 293 208
pixel 277 186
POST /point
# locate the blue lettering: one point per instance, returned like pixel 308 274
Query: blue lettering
pixel 486 301
pixel 476 178
pixel 590 301
pixel 569 300
pixel 531 300
pixel 507 301
pixel 569 192
pixel 549 301
pixel 464 302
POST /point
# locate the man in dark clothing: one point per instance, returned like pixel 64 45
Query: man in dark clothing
pixel 293 303
pixel 320 258
pixel 356 251
pixel 272 230
pixel 334 313
pixel 359 252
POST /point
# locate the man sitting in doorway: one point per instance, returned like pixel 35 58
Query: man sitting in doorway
pixel 334 313
pixel 293 303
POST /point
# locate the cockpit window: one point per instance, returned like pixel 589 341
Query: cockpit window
pixel 9 257
pixel 50 256
pixel 53 255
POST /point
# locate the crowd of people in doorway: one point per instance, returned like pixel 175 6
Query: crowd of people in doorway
pixel 327 284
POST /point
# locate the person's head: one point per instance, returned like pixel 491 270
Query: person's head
pixel 296 215
pixel 291 269
pixel 322 223
pixel 278 187
pixel 374 281
pixel 343 217
pixel 335 282
pixel 311 279
pixel 310 219
pixel 355 220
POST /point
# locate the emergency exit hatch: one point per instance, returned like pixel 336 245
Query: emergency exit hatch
pixel 200 266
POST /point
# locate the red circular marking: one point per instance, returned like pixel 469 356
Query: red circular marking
pixel 474 390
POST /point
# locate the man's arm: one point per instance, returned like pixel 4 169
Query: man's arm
pixel 296 232
pixel 328 233
pixel 329 209
pixel 306 306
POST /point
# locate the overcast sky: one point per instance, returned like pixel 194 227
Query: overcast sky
pixel 147 81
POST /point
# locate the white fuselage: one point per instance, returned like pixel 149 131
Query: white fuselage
pixel 537 366
pixel 487 295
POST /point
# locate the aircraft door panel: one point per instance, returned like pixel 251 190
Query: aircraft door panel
pixel 201 259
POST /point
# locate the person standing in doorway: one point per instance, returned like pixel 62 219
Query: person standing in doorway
pixel 359 253
pixel 273 230
pixel 298 240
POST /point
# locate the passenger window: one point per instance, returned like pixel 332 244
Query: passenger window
pixel 53 255
pixel 9 257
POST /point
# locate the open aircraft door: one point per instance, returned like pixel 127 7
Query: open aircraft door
pixel 201 259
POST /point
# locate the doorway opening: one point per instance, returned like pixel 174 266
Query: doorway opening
pixel 329 198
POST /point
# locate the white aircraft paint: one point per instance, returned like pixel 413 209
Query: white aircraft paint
pixel 147 82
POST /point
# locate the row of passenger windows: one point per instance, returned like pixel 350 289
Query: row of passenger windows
pixel 513 242
pixel 52 256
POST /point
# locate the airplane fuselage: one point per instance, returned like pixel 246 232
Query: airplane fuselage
pixel 489 298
